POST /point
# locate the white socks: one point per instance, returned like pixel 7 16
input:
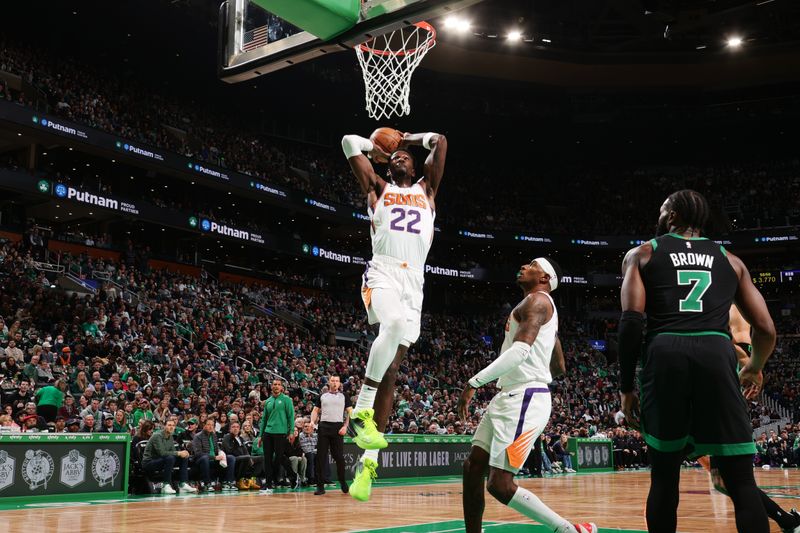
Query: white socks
pixel 366 398
pixel 527 503
pixel 370 454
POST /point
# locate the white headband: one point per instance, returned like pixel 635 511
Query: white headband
pixel 548 269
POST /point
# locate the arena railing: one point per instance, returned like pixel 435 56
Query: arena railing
pixel 257 301
pixel 75 279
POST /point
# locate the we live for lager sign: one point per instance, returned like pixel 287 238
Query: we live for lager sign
pixel 420 456
pixel 52 465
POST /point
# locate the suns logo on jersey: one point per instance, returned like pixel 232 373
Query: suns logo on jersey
pixel 414 200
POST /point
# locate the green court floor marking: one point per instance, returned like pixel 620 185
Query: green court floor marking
pixel 790 492
pixel 457 526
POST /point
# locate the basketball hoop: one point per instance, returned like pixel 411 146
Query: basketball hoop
pixel 388 61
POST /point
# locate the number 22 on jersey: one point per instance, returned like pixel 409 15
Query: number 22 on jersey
pixel 405 219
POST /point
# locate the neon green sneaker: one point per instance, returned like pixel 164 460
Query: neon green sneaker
pixel 367 435
pixel 361 487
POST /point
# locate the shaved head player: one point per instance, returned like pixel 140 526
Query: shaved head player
pixel 401 210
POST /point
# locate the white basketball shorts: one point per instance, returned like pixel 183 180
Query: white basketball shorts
pixel 512 423
pixel 405 282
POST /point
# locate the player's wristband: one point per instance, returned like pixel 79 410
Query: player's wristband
pixel 746 346
pixel 354 145
pixel 426 140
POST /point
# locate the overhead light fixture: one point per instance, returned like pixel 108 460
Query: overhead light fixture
pixel 457 23
pixel 734 42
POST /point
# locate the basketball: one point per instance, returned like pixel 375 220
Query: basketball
pixel 387 139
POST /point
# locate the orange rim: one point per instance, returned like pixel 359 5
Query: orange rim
pixel 428 42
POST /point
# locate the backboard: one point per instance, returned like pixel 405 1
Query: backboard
pixel 253 42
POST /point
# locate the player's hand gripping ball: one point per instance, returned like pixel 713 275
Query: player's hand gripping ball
pixel 386 141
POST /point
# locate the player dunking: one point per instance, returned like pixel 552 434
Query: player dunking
pixel 789 522
pixel 691 402
pixel 531 356
pixel 402 211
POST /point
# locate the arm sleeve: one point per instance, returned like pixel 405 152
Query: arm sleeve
pixel 631 325
pixel 228 444
pixel 353 145
pixel 197 446
pixel 289 416
pixel 147 454
pixel 264 417
pixel 507 361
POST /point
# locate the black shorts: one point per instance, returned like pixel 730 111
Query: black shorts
pixel 690 397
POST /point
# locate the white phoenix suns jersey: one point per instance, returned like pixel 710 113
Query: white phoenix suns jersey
pixel 402 224
pixel 536 366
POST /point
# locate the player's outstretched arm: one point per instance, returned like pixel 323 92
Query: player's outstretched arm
pixel 754 310
pixel 354 147
pixel 434 163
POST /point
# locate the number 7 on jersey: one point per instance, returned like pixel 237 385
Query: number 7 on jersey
pixel 700 280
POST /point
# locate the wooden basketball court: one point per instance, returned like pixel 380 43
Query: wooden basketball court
pixel 615 501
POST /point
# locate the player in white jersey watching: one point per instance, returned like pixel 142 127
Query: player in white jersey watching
pixel 531 356
pixel 402 211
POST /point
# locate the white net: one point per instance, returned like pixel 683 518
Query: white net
pixel 388 61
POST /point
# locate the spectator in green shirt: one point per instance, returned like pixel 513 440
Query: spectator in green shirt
pixel 30 371
pixel 90 328
pixel 121 424
pixel 276 423
pixel 142 412
pixel 49 399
